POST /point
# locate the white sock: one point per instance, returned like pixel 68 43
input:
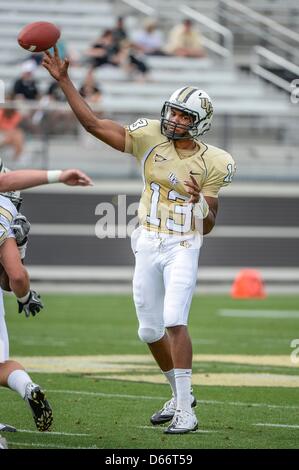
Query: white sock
pixel 18 380
pixel 169 374
pixel 183 387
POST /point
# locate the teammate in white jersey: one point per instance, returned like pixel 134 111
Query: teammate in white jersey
pixel 12 373
pixel 28 300
pixel 182 177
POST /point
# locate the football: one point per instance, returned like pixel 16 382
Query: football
pixel 38 36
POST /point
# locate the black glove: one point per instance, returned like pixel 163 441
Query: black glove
pixel 21 228
pixel 33 304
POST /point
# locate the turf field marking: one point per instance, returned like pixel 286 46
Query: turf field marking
pixel 247 404
pixel 218 379
pixel 95 364
pixel 55 446
pixel 107 395
pixel 279 314
pixel 159 427
pixel 293 426
pixel 51 433
pixel 203 402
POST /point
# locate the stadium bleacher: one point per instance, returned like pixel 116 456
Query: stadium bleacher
pixel 254 120
pixel 234 93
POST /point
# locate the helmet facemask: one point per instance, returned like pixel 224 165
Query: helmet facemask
pixel 169 128
pixel 192 102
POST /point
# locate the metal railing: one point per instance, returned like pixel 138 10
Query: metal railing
pixel 278 28
pixel 277 60
pixel 274 33
pixel 141 7
pixel 226 51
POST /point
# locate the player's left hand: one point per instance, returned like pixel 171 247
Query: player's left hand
pixel 32 306
pixel 193 189
pixel 75 178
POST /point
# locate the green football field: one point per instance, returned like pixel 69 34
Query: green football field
pixel 104 386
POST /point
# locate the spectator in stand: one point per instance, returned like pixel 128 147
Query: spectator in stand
pixel 89 89
pixel 185 41
pixel 104 51
pixel 133 61
pixel 25 87
pixel 10 133
pixel 119 33
pixel 149 40
pixel 60 120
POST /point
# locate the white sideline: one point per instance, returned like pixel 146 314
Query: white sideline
pixel 51 433
pixel 107 395
pixel 193 432
pixel 294 426
pixel 146 397
pixel 279 314
pixel 54 446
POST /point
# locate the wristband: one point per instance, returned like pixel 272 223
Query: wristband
pixel 53 176
pixel 201 208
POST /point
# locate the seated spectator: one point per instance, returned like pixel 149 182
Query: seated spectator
pixel 185 41
pixel 104 51
pixel 56 121
pixel 89 89
pixel 25 87
pixel 149 40
pixel 10 133
pixel 55 93
pixel 119 33
pixel 133 62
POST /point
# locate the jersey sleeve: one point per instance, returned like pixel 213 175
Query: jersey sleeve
pixel 221 174
pixel 140 137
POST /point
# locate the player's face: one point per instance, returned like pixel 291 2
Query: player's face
pixel 178 120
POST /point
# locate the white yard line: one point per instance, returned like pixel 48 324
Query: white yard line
pixel 53 446
pixel 107 395
pixel 146 397
pixel 51 433
pixel 247 404
pixel 279 314
pixel 270 425
pixel 159 427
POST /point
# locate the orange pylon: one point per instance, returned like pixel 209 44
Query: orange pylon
pixel 248 284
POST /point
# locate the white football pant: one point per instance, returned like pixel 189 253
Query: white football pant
pixel 4 343
pixel 7 213
pixel 164 280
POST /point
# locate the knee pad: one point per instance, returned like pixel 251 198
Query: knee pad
pixel 150 335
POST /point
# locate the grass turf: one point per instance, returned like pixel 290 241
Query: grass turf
pixel 114 414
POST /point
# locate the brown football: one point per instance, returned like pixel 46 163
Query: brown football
pixel 38 36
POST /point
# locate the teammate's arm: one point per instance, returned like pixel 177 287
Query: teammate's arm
pixel 106 130
pixel 23 179
pixel 4 280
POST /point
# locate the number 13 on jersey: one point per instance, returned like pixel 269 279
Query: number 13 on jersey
pixel 167 208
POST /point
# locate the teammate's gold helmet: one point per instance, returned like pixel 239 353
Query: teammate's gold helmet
pixel 194 102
